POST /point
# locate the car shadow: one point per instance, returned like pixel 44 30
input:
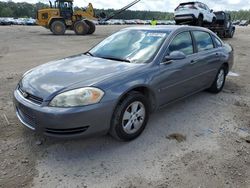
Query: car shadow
pixel 175 117
pixel 103 157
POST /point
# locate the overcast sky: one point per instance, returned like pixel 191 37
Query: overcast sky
pixel 158 5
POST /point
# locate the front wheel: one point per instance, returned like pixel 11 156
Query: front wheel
pixel 58 27
pixel 200 20
pixel 213 21
pixel 219 81
pixel 130 117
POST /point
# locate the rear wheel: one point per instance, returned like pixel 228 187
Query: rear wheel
pixel 231 34
pixel 58 27
pixel 200 20
pixel 91 27
pixel 81 28
pixel 219 81
pixel 130 117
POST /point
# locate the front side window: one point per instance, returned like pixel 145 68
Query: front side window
pixel 206 7
pixel 202 6
pixel 203 41
pixel 182 42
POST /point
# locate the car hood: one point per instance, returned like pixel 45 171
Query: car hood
pixel 56 76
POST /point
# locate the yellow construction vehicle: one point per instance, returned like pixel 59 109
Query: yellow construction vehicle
pixel 61 17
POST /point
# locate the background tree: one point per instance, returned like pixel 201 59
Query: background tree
pixel 12 9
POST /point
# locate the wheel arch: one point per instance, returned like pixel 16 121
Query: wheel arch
pixel 226 65
pixel 200 14
pixel 143 89
pixel 55 19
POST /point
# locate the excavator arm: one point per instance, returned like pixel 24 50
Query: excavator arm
pixel 121 10
pixel 89 13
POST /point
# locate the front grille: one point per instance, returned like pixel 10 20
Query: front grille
pixel 31 97
pixel 27 115
pixel 71 131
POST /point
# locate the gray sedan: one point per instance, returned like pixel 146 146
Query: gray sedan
pixel 114 87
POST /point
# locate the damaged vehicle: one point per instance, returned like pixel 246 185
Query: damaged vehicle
pixel 115 86
pixel 196 13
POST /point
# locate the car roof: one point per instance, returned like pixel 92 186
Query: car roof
pixel 191 2
pixel 171 28
pixel 220 12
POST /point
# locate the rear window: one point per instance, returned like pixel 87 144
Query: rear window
pixel 203 41
pixel 185 6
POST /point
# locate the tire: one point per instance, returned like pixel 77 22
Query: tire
pixel 219 81
pixel 91 27
pixel 125 117
pixel 58 27
pixel 213 21
pixel 200 21
pixel 231 34
pixel 81 28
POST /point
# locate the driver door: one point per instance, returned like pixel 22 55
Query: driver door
pixel 175 78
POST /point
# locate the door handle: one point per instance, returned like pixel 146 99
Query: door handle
pixel 193 61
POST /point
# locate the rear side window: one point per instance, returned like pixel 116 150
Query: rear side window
pixel 217 42
pixel 201 6
pixel 182 42
pixel 203 41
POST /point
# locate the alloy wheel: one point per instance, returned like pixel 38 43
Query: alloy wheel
pixel 133 117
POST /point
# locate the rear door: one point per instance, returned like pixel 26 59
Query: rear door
pixel 206 61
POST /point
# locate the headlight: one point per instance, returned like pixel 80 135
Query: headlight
pixel 77 97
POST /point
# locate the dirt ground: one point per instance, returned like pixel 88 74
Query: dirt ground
pixel 213 130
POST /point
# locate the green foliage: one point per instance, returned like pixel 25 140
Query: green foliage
pixel 240 15
pixel 5 12
pixel 11 9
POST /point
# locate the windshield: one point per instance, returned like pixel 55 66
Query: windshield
pixel 134 46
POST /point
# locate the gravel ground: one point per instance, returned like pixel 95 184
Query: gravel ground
pixel 202 141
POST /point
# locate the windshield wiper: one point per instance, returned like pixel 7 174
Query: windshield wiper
pixel 116 59
pixel 89 53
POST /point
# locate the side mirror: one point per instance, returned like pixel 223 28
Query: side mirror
pixel 211 10
pixel 175 55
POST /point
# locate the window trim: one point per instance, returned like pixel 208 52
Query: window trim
pixel 215 44
pixel 197 51
pixel 188 31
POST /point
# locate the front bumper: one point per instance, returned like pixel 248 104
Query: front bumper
pixel 64 122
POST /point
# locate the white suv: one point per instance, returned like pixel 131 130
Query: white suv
pixel 194 12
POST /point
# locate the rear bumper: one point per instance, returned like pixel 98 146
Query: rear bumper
pixel 185 17
pixel 64 122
